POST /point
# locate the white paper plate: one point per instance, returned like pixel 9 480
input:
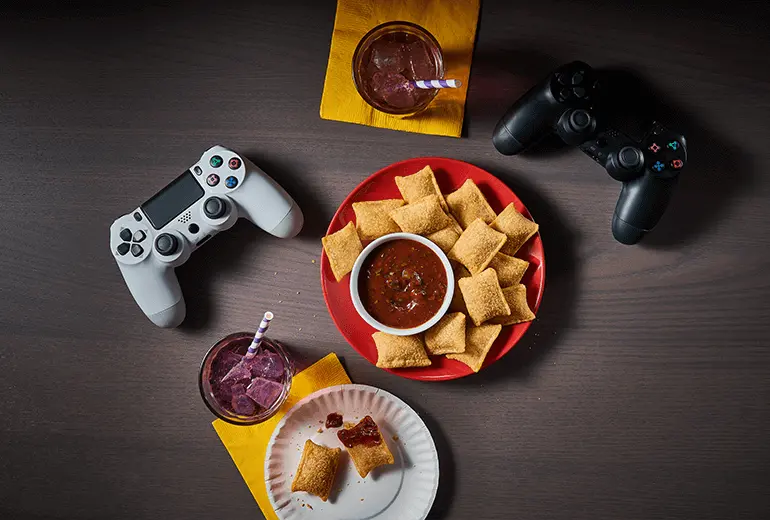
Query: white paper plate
pixel 402 491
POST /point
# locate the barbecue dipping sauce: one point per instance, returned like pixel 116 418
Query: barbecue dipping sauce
pixel 403 284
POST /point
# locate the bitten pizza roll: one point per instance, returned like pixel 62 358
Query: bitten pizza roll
pixel 365 445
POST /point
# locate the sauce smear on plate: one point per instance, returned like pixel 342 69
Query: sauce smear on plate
pixel 402 284
pixel 364 433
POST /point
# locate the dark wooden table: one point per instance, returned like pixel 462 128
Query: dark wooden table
pixel 640 392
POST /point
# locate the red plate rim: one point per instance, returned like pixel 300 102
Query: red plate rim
pixel 534 245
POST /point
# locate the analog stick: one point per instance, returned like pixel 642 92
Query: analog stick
pixel 166 244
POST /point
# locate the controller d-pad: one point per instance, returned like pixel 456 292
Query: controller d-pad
pixel 579 92
pixel 123 248
pixel 136 250
pixel 562 78
pixel 139 235
pixel 125 234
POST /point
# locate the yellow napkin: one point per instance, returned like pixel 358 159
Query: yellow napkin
pixel 452 23
pixel 247 444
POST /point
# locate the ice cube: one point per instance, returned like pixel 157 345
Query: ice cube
pixel 419 61
pixel 223 363
pixel 268 365
pixel 393 89
pixel 239 372
pixel 243 405
pixel 389 56
pixel 264 391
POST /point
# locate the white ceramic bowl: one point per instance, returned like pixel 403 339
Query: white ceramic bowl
pixel 356 297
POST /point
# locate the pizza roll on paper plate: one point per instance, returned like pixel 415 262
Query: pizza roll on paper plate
pixel 372 452
pixel 316 470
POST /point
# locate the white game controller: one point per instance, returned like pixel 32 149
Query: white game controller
pixel 159 235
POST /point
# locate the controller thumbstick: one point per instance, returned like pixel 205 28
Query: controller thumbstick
pixel 630 158
pixel 579 120
pixel 166 244
pixel 214 208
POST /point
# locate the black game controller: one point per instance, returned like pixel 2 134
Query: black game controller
pixel 563 104
pixel 648 169
pixel 569 102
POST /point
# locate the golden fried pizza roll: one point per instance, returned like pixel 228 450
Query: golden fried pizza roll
pixel 342 248
pixel 422 217
pixel 484 297
pixel 516 227
pixel 447 336
pixel 421 184
pixel 509 269
pixel 400 351
pixel 468 203
pixel 444 238
pixel 476 247
pixel 316 470
pixel 373 218
pixel 365 445
pixel 516 297
pixel 478 341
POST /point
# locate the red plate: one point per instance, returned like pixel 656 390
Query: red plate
pixel 450 175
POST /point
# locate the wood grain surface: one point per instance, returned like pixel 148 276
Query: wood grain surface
pixel 640 392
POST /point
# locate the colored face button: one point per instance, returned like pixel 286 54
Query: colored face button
pixel 654 148
pixel 212 180
pixel 658 166
pixel 234 163
pixel 231 182
pixel 216 161
pixel 674 145
pixel 677 164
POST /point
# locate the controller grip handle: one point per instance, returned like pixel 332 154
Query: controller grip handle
pixel 156 290
pixel 641 203
pixel 266 204
pixel 527 121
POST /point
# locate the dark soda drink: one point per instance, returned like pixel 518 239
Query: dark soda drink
pixel 388 59
pixel 245 391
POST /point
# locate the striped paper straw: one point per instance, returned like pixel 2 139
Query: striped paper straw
pixel 257 341
pixel 437 83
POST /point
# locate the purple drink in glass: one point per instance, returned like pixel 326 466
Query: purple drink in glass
pixel 255 389
pixel 388 58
